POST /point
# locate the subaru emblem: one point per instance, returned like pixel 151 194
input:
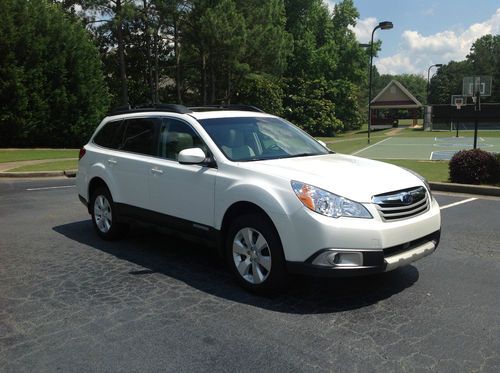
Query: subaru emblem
pixel 407 198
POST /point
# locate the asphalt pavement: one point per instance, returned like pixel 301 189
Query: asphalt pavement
pixel 71 302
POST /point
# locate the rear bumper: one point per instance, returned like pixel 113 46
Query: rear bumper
pixel 385 260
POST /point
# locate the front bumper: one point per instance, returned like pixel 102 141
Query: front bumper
pixel 84 201
pixel 373 261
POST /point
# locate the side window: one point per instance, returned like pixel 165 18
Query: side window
pixel 176 136
pixel 139 136
pixel 110 135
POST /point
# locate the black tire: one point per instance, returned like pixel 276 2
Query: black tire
pixel 267 279
pixel 104 217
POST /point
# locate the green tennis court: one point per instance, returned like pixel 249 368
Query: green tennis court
pixel 430 148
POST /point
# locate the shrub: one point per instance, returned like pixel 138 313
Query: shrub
pixel 474 167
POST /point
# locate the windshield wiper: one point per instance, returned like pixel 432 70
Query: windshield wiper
pixel 302 155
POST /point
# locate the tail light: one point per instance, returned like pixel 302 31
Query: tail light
pixel 82 153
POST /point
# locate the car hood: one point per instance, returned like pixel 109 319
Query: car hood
pixel 352 177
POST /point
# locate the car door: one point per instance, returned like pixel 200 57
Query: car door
pixel 183 193
pixel 130 164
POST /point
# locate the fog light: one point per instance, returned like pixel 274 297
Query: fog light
pixel 345 259
pixel 332 258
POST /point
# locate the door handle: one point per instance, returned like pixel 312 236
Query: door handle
pixel 157 171
pixel 112 161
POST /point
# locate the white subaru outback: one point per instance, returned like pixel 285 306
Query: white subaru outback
pixel 273 199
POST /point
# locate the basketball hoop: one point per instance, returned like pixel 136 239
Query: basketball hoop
pixel 458 101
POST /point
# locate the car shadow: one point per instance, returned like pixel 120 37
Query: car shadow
pixel 200 266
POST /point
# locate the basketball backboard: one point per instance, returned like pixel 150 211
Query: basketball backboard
pixel 458 101
pixel 473 84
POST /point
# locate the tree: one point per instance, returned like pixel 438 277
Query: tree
pixel 52 91
pixel 232 41
pixel 484 58
pixel 448 81
pixel 327 55
pixel 110 19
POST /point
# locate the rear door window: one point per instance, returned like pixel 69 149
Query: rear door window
pixel 141 136
pixel 110 136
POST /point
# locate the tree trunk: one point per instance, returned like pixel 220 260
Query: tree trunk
pixel 121 54
pixel 156 96
pixel 228 93
pixel 177 62
pixel 204 77
pixel 212 82
pixel 149 63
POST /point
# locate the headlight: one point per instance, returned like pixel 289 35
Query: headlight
pixel 423 179
pixel 328 204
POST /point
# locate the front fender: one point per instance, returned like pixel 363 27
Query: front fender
pixel 273 199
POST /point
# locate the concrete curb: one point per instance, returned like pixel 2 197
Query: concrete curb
pixel 484 190
pixel 67 173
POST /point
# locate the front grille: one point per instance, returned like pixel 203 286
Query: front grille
pixel 402 204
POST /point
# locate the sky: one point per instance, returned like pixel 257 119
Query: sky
pixel 425 32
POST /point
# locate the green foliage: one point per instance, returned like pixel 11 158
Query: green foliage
pixel 311 106
pixel 483 59
pixel 262 91
pixel 448 81
pixel 474 166
pixel 326 68
pixel 52 91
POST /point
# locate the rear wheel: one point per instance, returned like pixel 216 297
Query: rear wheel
pixel 104 215
pixel 255 255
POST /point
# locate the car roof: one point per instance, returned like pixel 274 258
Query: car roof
pixel 198 115
pixel 226 114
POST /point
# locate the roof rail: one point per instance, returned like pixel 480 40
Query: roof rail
pixel 172 108
pixel 226 107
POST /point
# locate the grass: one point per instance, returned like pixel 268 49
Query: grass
pixel 48 166
pixel 431 170
pixel 13 155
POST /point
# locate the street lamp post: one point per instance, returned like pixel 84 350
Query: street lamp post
pixel 438 65
pixel 385 25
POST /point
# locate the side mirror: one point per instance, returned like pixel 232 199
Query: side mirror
pixel 191 156
pixel 322 143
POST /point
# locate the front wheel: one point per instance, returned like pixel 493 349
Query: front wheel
pixel 104 215
pixel 255 255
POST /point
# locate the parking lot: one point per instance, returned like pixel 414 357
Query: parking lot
pixel 153 302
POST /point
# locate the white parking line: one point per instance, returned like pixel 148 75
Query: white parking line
pixel 368 147
pixel 54 187
pixel 458 203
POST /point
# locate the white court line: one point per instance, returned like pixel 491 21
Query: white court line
pixel 54 187
pixel 457 203
pixel 368 147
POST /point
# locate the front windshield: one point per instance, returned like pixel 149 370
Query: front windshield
pixel 258 138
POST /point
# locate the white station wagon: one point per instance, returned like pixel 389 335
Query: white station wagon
pixel 274 200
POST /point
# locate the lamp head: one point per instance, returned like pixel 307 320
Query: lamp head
pixel 385 25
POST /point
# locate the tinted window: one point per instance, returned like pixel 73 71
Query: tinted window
pixel 110 135
pixel 139 136
pixel 176 136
